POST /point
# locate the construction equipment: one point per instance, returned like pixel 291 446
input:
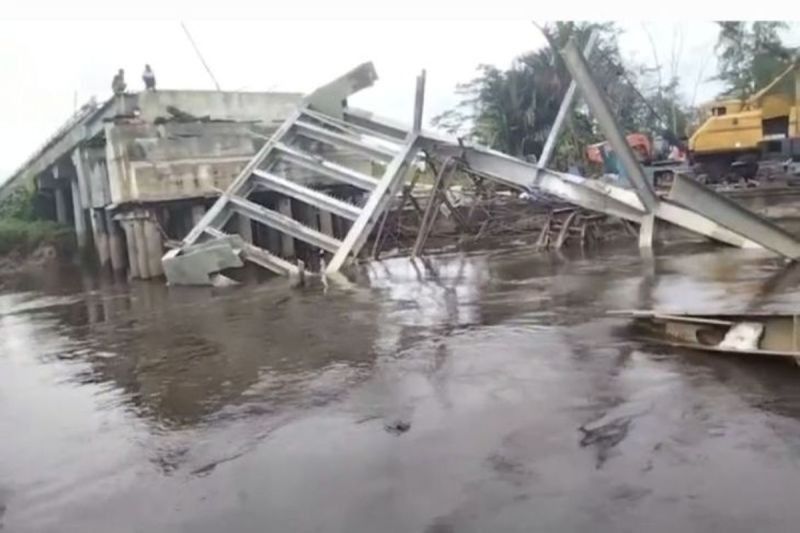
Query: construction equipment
pixel 737 134
pixel 639 143
pixel 659 158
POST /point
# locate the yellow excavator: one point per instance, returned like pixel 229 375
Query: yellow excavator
pixel 737 134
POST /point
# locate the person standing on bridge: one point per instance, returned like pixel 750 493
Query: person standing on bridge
pixel 149 78
pixel 118 83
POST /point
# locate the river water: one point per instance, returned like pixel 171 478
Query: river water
pixel 438 397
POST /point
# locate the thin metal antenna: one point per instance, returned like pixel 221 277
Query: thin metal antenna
pixel 200 56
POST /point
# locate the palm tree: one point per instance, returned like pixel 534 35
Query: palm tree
pixel 513 110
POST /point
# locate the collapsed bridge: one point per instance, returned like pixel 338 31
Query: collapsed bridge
pixel 343 167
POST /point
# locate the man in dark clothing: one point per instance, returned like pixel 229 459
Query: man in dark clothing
pixel 118 83
pixel 149 78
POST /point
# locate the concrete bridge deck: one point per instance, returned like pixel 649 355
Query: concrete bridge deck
pixel 145 159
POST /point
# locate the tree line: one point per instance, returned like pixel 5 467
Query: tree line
pixel 512 109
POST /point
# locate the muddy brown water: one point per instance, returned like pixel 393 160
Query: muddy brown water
pixel 473 393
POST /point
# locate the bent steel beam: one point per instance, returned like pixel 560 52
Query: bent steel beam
pixel 576 64
pixel 593 194
pixel 558 123
pixel 701 199
pixel 389 183
pixel 589 194
pixel 518 174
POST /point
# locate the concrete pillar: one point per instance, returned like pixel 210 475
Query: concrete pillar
pixel 310 217
pixel 141 248
pixel 79 220
pixel 115 245
pixel 273 240
pixel 79 157
pixel 61 205
pixel 244 227
pixel 326 223
pixel 287 242
pixel 100 235
pixel 96 174
pixel 647 231
pixel 91 310
pixel 154 245
pixel 130 239
pixel 340 227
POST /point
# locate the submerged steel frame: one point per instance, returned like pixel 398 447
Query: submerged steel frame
pixel 696 196
pixel 710 211
pixel 325 117
pixel 320 118
pixel 589 194
pixel 435 201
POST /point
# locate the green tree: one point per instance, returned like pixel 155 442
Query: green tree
pixel 750 55
pixel 513 109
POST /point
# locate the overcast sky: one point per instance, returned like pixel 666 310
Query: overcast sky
pixel 48 66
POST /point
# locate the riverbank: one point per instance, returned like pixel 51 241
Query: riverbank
pixel 27 245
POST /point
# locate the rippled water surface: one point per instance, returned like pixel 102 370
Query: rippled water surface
pixel 464 394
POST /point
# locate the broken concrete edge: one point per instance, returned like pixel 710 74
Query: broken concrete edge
pixel 194 264
pixel 330 99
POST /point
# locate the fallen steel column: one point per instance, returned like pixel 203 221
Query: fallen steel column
pixel 284 224
pixel 595 195
pixel 319 118
pixel 326 168
pixel 558 124
pixel 309 196
pixel 701 224
pixel 212 216
pixel 326 136
pixel 589 194
pixel 698 197
pixel 576 64
pixel 432 209
pixel 391 180
pixel 573 189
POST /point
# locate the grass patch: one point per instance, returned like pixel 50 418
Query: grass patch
pixel 24 236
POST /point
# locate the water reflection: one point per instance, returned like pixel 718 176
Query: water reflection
pixel 112 390
pixel 180 355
